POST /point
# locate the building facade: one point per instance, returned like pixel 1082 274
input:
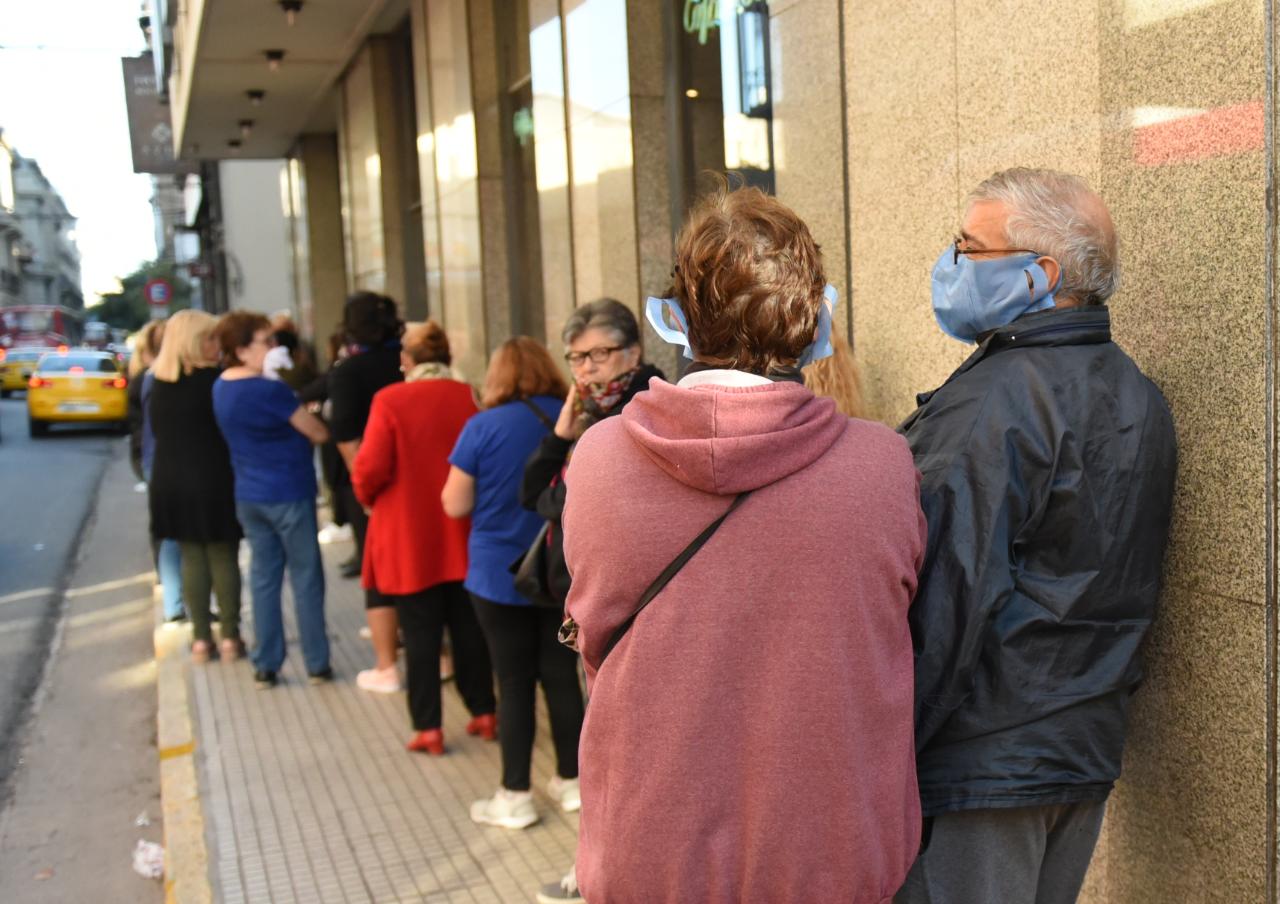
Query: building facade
pixel 494 164
pixel 50 259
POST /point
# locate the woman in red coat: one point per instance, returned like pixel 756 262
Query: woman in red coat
pixel 415 554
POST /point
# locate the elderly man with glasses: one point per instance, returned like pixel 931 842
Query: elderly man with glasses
pixel 1048 464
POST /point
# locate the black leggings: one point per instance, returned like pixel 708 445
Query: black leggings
pixel 523 644
pixel 423 616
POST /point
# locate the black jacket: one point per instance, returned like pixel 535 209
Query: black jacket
pixel 542 490
pixel 1048 464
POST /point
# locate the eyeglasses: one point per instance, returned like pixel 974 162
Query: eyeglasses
pixel 598 355
pixel 955 258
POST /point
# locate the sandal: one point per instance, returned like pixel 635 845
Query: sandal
pixel 231 648
pixel 201 651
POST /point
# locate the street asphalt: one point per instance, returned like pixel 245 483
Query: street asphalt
pixel 48 489
pixel 77 619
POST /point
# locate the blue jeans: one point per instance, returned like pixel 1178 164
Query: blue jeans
pixel 280 534
pixel 169 569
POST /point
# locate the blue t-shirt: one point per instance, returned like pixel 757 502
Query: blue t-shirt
pixel 272 461
pixel 493 448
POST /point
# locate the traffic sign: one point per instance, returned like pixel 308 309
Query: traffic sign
pixel 158 292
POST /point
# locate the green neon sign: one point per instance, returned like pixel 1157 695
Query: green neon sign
pixel 700 16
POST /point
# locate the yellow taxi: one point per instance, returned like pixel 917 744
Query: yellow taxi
pixel 16 367
pixel 77 386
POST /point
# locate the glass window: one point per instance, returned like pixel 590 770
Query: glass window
pixel 727 107
pixel 61 364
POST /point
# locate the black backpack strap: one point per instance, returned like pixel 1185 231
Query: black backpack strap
pixel 540 414
pixel 668 573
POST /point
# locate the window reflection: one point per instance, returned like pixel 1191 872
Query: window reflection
pixel 725 83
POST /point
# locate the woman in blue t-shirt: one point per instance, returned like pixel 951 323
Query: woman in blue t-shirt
pixel 523 393
pixel 270 436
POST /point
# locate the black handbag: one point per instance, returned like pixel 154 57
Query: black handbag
pixel 530 570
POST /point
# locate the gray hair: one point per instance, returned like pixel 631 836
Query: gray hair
pixel 607 314
pixel 1057 215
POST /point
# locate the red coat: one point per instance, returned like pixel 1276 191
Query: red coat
pixel 399 472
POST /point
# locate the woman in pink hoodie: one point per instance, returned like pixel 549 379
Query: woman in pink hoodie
pixel 749 738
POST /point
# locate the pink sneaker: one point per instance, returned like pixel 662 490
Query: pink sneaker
pixel 380 681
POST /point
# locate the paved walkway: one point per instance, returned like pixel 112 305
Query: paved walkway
pixel 309 795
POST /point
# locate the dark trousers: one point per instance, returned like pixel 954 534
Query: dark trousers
pixel 423 617
pixel 1023 855
pixel 356 515
pixel 525 651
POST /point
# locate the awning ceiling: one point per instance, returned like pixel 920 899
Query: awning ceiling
pixel 298 96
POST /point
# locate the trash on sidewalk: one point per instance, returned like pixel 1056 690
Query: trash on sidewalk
pixel 148 859
pixel 143 820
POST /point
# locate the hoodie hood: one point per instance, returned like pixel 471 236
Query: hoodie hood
pixel 727 439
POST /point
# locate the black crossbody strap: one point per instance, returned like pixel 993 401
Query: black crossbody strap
pixel 668 573
pixel 540 415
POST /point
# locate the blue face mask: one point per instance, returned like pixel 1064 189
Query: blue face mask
pixel 974 296
pixel 656 308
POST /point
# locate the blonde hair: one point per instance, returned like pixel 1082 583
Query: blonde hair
pixel 146 345
pixel 836 377
pixel 181 351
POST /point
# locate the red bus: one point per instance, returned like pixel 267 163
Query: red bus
pixel 40 325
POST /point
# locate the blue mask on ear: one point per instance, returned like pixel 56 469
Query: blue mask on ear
pixel 973 296
pixel 653 312
pixel 819 348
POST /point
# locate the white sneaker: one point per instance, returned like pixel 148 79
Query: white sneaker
pixel 507 809
pixel 565 792
pixel 380 681
pixel 332 533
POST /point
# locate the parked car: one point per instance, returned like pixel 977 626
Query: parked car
pixel 77 386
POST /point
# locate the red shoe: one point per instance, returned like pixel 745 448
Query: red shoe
pixel 485 726
pixel 431 742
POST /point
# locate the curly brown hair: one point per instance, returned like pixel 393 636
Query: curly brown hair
pixel 749 277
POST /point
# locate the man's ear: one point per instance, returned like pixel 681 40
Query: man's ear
pixel 1051 270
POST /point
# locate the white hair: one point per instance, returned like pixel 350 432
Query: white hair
pixel 1057 215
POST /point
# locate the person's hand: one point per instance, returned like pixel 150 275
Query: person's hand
pixel 565 423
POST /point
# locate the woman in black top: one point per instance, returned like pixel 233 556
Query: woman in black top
pixel 602 348
pixel 192 488
pixel 373 330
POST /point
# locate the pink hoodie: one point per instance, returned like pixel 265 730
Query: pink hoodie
pixel 750 739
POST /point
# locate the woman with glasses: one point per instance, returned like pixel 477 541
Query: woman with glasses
pixel 523 391
pixel 602 348
pixel 270 434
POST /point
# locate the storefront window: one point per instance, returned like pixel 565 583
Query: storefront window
pixel 727 109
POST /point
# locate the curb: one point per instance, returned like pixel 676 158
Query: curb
pixel 186 857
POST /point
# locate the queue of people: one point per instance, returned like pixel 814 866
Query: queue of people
pixel 827 660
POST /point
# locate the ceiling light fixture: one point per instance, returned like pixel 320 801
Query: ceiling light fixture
pixel 234 144
pixel 246 126
pixel 291 9
pixel 255 96
pixel 274 59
